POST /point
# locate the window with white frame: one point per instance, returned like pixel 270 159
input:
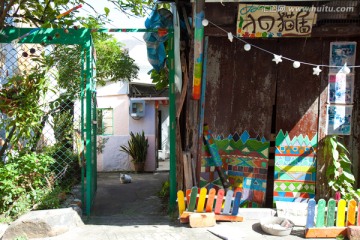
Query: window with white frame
pixel 105 121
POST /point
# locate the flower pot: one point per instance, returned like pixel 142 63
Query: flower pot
pixel 139 167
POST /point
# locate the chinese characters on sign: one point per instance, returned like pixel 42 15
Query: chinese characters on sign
pixel 274 21
pixel 340 88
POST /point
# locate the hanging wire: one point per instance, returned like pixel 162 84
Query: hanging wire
pixel 267 51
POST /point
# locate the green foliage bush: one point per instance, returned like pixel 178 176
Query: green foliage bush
pixel 66 164
pixel 24 180
pixel 339 172
pixel 137 147
pixel 165 190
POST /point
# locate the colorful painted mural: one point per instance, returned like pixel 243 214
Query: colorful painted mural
pixel 295 168
pixel 245 161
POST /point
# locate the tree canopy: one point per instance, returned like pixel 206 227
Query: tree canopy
pixel 43 13
pixel 26 117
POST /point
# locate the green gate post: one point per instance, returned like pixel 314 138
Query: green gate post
pixel 82 95
pixel 80 37
pixel 94 128
pixel 89 154
pixel 172 113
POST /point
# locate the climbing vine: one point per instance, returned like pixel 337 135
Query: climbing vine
pixel 339 174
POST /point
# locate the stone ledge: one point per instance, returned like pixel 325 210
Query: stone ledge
pixel 43 223
pixel 3 228
pixel 353 232
pixel 256 213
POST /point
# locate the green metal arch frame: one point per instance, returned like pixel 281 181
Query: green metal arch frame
pixel 83 37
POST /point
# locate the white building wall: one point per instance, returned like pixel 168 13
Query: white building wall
pixel 111 159
pixel 164 153
pixel 147 123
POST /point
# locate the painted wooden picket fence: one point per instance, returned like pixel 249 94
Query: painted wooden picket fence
pixel 225 206
pixel 331 221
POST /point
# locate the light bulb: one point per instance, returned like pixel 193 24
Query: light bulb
pixel 247 47
pixel 296 64
pixel 205 22
pixel 347 70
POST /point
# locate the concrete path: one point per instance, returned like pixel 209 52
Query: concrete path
pixel 134 212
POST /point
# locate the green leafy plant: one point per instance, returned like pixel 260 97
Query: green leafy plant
pixel 161 78
pixel 164 195
pixel 51 199
pixel 24 181
pixel 65 165
pixel 165 190
pixel 41 13
pixel 137 147
pixel 21 238
pixel 339 173
pixel 19 100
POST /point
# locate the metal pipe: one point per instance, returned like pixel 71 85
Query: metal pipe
pixel 89 172
pixel 172 119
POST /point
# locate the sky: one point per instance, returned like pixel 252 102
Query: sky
pixel 133 41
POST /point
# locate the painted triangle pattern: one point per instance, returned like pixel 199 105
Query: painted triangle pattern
pixel 295 167
pixel 245 160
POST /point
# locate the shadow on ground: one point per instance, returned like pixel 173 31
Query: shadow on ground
pixel 136 203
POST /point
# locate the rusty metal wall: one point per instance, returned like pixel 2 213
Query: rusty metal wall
pixel 240 89
pixel 297 98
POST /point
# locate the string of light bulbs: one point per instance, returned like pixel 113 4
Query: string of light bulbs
pixel 279 58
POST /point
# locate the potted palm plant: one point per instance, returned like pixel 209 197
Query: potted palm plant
pixel 137 149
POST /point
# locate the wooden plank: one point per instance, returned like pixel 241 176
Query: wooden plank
pixel 224 99
pixel 320 218
pixel 237 199
pixel 340 217
pixel 187 171
pixel 330 232
pixel 210 200
pixel 201 201
pixel 197 220
pixel 358 216
pixel 351 212
pixel 184 217
pixel 228 218
pixel 336 31
pixel 228 201
pixel 311 214
pixel 193 196
pixel 188 192
pixel 330 218
pixel 181 100
pixel 181 201
pixel 219 200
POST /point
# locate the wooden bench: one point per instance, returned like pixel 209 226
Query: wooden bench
pixel 329 220
pixel 225 207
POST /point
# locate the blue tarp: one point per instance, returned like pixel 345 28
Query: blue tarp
pixel 159 18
